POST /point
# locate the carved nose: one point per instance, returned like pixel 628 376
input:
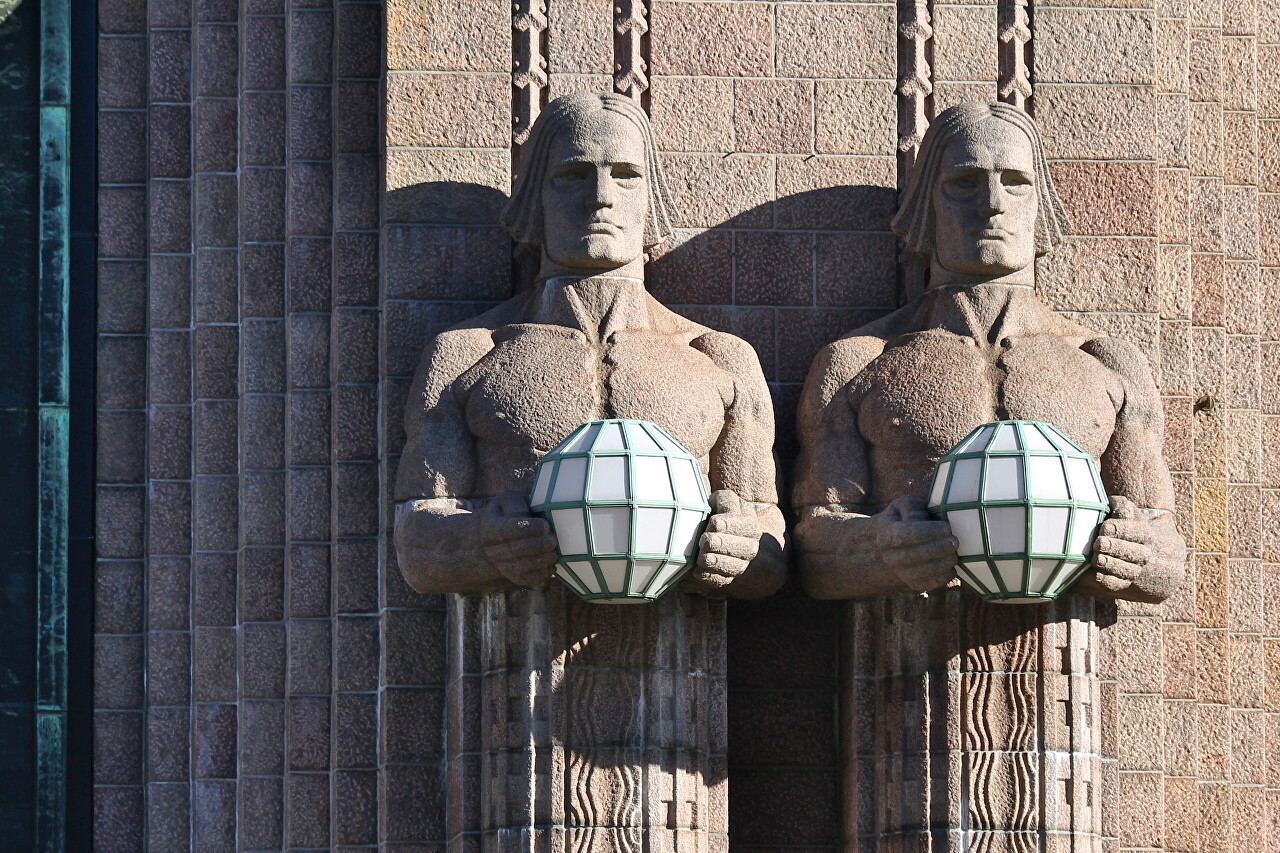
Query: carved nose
pixel 603 196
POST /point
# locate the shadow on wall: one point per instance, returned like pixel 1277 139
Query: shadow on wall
pixel 788 276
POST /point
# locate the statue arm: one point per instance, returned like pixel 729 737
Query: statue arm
pixel 746 525
pixel 1139 554
pixel 448 539
pixel 849 548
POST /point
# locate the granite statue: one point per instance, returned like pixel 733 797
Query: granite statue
pixel 884 402
pixel 596 726
pixel 586 342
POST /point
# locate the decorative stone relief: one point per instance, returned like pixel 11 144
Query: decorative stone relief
pixel 983 713
pixel 529 65
pixel 1014 85
pixel 631 68
pixel 583 726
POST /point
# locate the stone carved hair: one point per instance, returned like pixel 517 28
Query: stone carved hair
pixel 914 222
pixel 523 215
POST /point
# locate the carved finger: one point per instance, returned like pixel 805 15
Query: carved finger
pixel 1111 583
pixel 907 534
pixel 732 546
pixel 1123 508
pixel 912 508
pixel 928 576
pixel 938 549
pixel 735 525
pixel 1131 552
pixel 1128 530
pixel 536 546
pixel 529 574
pixel 721 564
pixel 1117 568
pixel 515 529
pixel 727 502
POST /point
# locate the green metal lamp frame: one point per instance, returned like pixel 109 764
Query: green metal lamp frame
pixel 672 449
pixel 1066 449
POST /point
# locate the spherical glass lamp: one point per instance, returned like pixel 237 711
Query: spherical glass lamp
pixel 627 504
pixel 1025 503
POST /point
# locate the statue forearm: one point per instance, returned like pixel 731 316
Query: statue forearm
pixel 438 547
pixel 839 555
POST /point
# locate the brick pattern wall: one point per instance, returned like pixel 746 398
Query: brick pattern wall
pixel 265 679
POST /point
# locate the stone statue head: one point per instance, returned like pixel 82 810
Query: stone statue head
pixel 981 201
pixel 590 191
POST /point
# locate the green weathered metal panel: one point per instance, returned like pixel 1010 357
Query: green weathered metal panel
pixel 53 367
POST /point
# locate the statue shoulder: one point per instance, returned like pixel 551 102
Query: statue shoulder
pixel 729 352
pixel 1123 357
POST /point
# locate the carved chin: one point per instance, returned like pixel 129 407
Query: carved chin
pixel 597 251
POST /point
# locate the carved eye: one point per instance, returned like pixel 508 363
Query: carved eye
pixel 962 183
pixel 1017 183
pixel 626 176
pixel 570 174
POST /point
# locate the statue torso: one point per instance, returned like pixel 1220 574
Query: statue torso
pixel 928 389
pixel 541 380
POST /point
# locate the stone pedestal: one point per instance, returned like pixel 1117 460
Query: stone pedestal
pixel 586 728
pixel 971 726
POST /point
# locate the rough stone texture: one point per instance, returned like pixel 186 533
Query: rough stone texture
pixel 272 123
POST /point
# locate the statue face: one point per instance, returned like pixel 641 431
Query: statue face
pixel 596 195
pixel 985 201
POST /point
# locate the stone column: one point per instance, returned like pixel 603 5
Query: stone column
pixel 586 728
pixel 972 726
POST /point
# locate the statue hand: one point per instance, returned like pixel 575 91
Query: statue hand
pixel 919 550
pixel 519 545
pixel 1122 550
pixel 729 544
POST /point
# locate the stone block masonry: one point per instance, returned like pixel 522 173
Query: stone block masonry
pixel 266 681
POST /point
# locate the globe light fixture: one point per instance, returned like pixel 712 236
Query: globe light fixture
pixel 627 504
pixel 1025 503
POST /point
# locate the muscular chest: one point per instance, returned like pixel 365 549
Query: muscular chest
pixel 540 382
pixel 925 394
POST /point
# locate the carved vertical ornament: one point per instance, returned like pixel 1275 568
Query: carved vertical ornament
pixel 529 66
pixel 1014 85
pixel 631 42
pixel 915 80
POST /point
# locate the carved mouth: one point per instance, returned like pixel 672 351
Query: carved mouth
pixel 601 228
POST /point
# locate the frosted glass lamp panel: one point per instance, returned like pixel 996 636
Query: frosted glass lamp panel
pixel 1034 438
pixel 1006 438
pixel 1086 527
pixel 615 575
pixel 687 481
pixel 939 484
pixel 638 438
pixel 571 530
pixel 965 481
pixel 653 529
pixel 1011 572
pixel 610 529
pixel 1061 441
pixel 1041 571
pixel 570 480
pixel 1045 478
pixel 669 571
pixel 966 525
pixel 1049 529
pixel 610 438
pixel 653 483
pixel 609 479
pixel 1003 481
pixel 1080 478
pixel 688 531
pixel 1007 529
pixel 582 442
pixel 541 484
pixel 642 574
pixel 982 574
pixel 579 575
pixel 979 441
pixel 1068 575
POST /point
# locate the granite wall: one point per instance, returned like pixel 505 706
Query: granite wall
pixel 265 680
